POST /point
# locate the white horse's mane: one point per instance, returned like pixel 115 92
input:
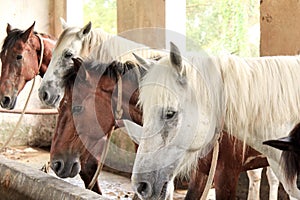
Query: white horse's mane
pixel 255 94
pixel 106 47
pixel 261 93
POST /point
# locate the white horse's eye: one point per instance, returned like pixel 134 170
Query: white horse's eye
pixel 68 55
pixel 169 114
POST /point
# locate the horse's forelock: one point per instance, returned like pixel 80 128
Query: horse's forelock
pixel 11 39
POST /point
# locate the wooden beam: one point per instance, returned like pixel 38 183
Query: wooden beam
pixel 137 14
pixel 57 9
pixel 280 28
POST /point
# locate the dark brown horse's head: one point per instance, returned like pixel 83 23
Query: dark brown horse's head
pixel 86 112
pixel 20 55
pixel 290 157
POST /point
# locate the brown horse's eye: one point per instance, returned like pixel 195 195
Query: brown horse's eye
pixel 19 57
pixel 77 109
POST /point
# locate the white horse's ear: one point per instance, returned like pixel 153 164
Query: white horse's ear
pixel 284 144
pixel 64 24
pixel 85 30
pixel 133 130
pixel 145 63
pixel 176 62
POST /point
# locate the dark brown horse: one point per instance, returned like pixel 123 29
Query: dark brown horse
pixel 87 117
pixel 290 156
pixel 20 56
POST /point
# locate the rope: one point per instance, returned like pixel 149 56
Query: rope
pixel 27 100
pixel 213 165
pixel 119 111
pixel 31 112
pixel 212 171
pixel 118 115
pixel 101 162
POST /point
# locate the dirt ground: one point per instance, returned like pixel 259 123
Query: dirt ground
pixel 118 187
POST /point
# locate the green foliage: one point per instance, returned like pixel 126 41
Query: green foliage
pixel 102 14
pixel 217 26
pixel 224 25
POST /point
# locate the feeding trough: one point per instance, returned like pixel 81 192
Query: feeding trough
pixel 18 181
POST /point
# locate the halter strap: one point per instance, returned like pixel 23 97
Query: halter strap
pixel 42 51
pixel 119 110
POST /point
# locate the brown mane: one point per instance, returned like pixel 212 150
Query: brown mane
pixel 113 70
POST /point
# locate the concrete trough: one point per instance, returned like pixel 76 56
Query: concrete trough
pixel 18 181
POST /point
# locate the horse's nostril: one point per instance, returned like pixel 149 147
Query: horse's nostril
pixel 57 166
pixel 45 96
pixel 5 101
pixel 144 189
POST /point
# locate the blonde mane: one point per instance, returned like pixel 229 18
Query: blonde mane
pixel 260 93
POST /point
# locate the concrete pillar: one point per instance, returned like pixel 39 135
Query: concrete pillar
pixel 141 14
pixel 280 27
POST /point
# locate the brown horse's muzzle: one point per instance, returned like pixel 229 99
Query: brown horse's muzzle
pixel 66 167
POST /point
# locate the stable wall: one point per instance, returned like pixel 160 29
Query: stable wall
pixel 280 27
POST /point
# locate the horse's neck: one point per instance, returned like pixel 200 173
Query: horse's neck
pixel 46 51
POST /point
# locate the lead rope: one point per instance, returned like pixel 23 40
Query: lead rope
pixel 118 116
pixel 27 100
pixel 212 171
pixel 213 166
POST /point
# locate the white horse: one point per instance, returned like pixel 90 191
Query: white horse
pixel 186 105
pixel 83 42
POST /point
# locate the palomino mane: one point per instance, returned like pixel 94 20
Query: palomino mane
pixel 113 70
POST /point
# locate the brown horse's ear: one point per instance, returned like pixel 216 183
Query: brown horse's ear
pixel 82 73
pixel 8 28
pixel 28 32
pixel 77 63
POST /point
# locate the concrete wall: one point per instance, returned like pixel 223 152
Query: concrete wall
pixel 280 27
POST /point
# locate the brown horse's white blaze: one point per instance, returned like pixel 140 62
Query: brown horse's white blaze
pixel 20 57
